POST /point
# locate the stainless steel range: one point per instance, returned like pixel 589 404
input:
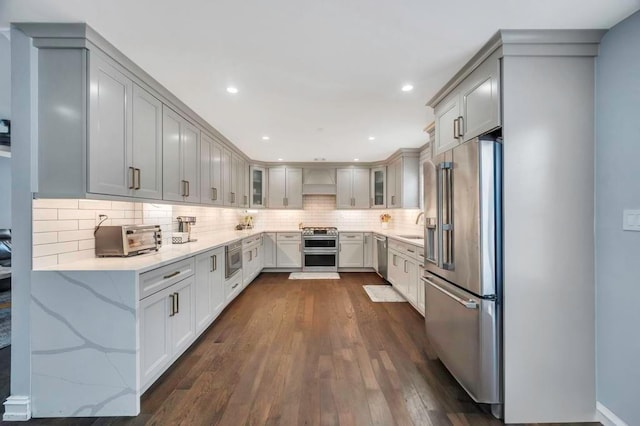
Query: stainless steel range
pixel 320 249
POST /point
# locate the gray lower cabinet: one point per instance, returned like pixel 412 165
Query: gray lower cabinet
pixel 167 328
pixel 285 188
pixel 289 250
pixel 125 135
pixel 367 245
pixel 269 250
pixel 209 287
pixel 211 189
pixel 351 250
pixel 181 159
pixel 352 188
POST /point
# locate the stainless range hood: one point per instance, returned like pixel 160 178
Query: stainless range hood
pixel 319 181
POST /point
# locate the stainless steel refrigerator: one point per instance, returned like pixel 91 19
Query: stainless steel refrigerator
pixel 463 268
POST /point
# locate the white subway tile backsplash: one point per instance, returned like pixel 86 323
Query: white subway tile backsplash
pixel 54 225
pixel 45 214
pixel 75 256
pixel 55 204
pixel 83 234
pixel 45 238
pixel 55 248
pixel 76 220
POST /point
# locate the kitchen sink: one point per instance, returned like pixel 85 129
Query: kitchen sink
pixel 412 237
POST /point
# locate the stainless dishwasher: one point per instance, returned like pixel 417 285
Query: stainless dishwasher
pixel 381 255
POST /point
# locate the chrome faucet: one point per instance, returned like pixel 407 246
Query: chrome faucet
pixel 418 218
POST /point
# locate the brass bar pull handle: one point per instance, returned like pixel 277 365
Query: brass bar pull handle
pixel 171 275
pixel 177 299
pixel 188 189
pixel 212 264
pixel 137 180
pixel 460 126
pixel 456 135
pixel 184 188
pixel 173 305
pixel 132 178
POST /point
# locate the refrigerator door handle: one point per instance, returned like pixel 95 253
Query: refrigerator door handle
pixel 469 304
pixel 447 220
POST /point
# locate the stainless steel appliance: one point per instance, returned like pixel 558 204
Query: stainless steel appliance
pixel 320 249
pixel 381 255
pixel 463 262
pixel 233 259
pixel 127 240
pixel 184 225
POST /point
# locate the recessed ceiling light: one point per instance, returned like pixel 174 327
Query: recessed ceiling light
pixel 265 138
pixel 232 90
pixel 372 138
pixel 356 159
pixel 279 159
pixel 407 88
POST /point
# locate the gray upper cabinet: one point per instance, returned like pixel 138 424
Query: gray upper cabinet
pixel 147 145
pixel 227 170
pixel 378 187
pixel 180 158
pixel 403 181
pixel 472 109
pixel 285 188
pixel 446 118
pixel 480 99
pixel 258 187
pixel 352 189
pixel 211 190
pixel 110 130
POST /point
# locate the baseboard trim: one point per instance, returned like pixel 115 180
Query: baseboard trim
pixel 608 417
pixel 17 408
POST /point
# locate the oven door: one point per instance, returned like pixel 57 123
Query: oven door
pixel 233 262
pixel 320 243
pixel 320 260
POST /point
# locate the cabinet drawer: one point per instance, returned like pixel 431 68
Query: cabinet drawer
pixel 158 279
pixel 351 236
pixel 289 236
pixel 255 240
pixel 233 286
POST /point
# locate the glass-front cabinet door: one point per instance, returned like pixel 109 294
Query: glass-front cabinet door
pixel 258 187
pixel 378 187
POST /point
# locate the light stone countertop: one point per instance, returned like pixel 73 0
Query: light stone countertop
pixel 176 252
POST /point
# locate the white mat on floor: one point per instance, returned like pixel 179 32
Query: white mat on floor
pixel 383 293
pixel 314 276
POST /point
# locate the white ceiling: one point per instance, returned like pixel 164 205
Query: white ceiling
pixel 317 77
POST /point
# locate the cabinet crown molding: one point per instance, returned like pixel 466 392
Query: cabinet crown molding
pixel 526 43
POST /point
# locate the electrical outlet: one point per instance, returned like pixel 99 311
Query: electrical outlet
pixel 631 220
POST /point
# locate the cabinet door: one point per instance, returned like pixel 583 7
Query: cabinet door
pixel 344 185
pixel 233 181
pixel 259 258
pixel 110 148
pixel 247 267
pixel 393 267
pixel 216 280
pixel 411 276
pixel 421 292
pixel 269 250
pixel 351 254
pixel 294 188
pixel 172 187
pixel 203 290
pixel 217 193
pixel 480 94
pixel 183 322
pixel 206 187
pixel 257 190
pixel 392 199
pixel 402 275
pixel 155 338
pixel 241 170
pixel 227 172
pixel 277 187
pixel 368 243
pixel 289 254
pixel 147 144
pixel 191 161
pixel 446 112
pixel 378 187
pixel 360 188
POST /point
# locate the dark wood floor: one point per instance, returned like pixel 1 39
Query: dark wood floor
pixel 306 352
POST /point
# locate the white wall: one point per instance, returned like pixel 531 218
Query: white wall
pixel 5 112
pixel 618 251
